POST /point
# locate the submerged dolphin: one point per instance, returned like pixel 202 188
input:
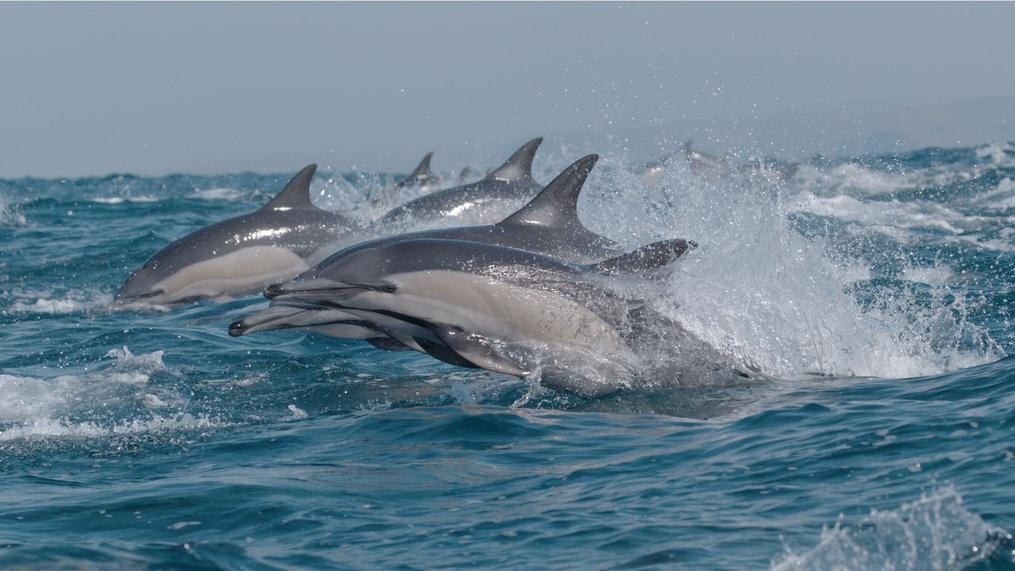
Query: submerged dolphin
pixel 505 310
pixel 481 202
pixel 241 255
pixel 701 163
pixel 547 225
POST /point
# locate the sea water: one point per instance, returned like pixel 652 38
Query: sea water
pixel 875 292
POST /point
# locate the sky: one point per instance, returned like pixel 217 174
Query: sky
pixel 156 88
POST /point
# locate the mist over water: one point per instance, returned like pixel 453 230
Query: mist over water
pixel 874 292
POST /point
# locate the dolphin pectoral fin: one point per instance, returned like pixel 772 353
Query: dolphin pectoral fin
pixel 650 257
pixel 296 194
pixel 519 165
pixel 445 354
pixel 388 344
pixel 478 350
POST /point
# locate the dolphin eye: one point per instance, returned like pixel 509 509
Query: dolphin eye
pixel 388 288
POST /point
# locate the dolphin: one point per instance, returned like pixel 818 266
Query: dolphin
pixel 421 178
pixel 465 175
pixel 507 310
pixel 703 164
pixel 481 202
pixel 241 255
pixel 548 225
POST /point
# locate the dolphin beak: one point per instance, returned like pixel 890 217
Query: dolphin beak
pixel 286 316
pixel 124 295
pixel 275 317
pixel 313 289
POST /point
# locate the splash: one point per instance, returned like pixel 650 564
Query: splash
pixel 57 302
pixel 90 404
pixel 10 213
pixel 792 302
pixel 935 532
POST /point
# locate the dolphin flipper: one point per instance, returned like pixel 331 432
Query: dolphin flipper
pixel 445 354
pixel 388 344
pixel 650 257
pixel 477 350
pixel 519 165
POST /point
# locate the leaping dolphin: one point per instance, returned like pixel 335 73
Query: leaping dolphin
pixel 481 202
pixel 506 310
pixel 548 225
pixel 241 255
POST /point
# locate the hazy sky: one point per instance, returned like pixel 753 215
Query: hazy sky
pixel 211 88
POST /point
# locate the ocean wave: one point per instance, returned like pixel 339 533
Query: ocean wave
pixel 219 193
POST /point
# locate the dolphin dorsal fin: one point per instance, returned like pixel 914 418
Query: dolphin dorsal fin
pixel 557 204
pixel 646 258
pixel 422 173
pixel 422 169
pixel 519 166
pixel 296 194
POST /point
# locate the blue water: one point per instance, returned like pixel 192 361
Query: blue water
pixel 877 292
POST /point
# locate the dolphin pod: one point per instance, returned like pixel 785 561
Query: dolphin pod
pixel 528 291
pixel 547 225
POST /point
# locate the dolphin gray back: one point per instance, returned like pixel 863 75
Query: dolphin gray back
pixel 511 181
pixel 288 221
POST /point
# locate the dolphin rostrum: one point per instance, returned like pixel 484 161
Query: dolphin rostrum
pixel 241 255
pixel 506 310
pixel 548 225
pixel 481 202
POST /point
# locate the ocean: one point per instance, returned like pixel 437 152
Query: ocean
pixel 875 292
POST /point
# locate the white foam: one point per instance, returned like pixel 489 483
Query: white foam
pixel 1000 154
pixel 297 412
pixel 45 402
pixel 915 215
pixel 219 193
pixel 122 199
pixel 1001 198
pixel 52 303
pixel 10 213
pixel 936 275
pixel 58 428
pixel 935 532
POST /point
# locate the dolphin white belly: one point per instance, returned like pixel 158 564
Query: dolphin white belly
pixel 247 270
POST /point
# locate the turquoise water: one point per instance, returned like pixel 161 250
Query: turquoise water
pixel 877 292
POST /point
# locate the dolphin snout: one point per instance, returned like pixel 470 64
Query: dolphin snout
pixel 128 293
pixel 274 290
pixel 315 289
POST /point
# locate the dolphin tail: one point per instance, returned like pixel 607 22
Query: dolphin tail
pixel 519 166
pixel 646 258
